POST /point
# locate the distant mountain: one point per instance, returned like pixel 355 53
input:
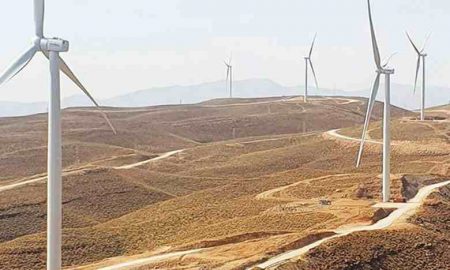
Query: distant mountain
pixel 18 109
pixel 401 95
pixel 198 93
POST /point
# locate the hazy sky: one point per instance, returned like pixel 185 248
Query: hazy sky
pixel 120 46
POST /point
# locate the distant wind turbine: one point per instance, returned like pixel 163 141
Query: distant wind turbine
pixel 381 70
pixel 51 47
pixel 309 63
pixel 420 58
pixel 229 80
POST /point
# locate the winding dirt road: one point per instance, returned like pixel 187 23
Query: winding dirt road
pixel 403 211
pixel 75 171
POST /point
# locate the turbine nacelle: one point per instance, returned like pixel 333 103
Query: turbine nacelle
pixel 386 71
pixel 55 45
pixel 51 44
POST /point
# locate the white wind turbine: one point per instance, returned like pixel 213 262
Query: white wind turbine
pixel 229 80
pixel 309 63
pixel 381 70
pixel 420 58
pixel 50 48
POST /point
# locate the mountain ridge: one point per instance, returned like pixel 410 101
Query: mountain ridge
pixel 401 96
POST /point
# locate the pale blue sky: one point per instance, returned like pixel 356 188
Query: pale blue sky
pixel 122 46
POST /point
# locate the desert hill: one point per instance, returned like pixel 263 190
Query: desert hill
pixel 144 132
pixel 245 186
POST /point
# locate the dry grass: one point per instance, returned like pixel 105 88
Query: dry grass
pixel 206 195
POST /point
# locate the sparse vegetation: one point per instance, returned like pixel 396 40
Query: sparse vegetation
pixel 246 198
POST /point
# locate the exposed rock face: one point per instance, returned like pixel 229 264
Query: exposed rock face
pixel 412 183
pixel 361 192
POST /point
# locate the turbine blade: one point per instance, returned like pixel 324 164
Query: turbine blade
pixel 376 51
pixel 370 105
pixel 66 70
pixel 39 9
pixel 425 42
pixel 388 60
pixel 314 73
pixel 18 65
pixel 312 45
pixel 417 73
pixel 412 43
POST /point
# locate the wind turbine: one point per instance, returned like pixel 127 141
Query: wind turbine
pixel 309 63
pixel 229 76
pixel 420 58
pixel 51 47
pixel 381 70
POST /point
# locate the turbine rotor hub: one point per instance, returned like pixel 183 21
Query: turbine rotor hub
pixel 37 42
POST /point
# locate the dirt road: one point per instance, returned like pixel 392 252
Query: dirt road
pixel 144 261
pixel 333 133
pixel 137 164
pixel 75 171
pixel 39 179
pixel 270 194
pixel 403 211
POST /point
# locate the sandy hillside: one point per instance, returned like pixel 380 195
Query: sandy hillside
pixel 245 187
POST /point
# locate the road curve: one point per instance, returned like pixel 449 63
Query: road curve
pixel 333 133
pixel 403 210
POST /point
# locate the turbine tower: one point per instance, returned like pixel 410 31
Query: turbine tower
pixel 381 70
pixel 229 80
pixel 309 63
pixel 420 58
pixel 51 47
